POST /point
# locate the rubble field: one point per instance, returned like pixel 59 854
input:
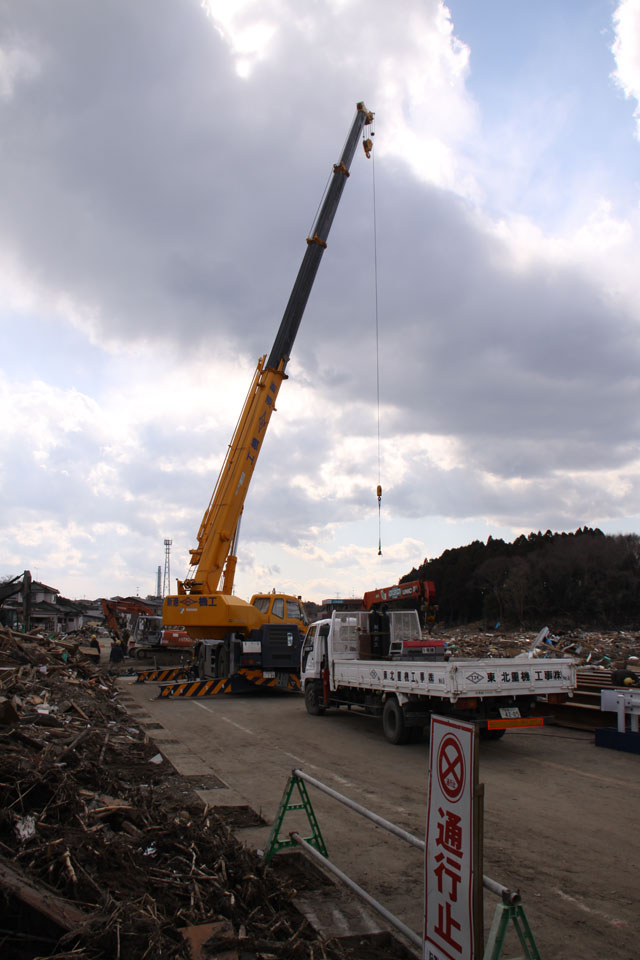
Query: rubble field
pixel 106 852
pixel 587 648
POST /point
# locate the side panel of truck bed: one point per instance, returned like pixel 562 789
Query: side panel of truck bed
pixel 453 679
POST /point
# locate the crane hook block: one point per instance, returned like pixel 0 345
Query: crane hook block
pixel 368 146
pixel 379 492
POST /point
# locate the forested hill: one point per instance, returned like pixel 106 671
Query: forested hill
pixel 584 579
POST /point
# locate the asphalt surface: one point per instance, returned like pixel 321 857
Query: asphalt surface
pixel 560 814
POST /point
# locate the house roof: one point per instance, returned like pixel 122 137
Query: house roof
pixel 46 609
pixel 68 606
pixel 36 585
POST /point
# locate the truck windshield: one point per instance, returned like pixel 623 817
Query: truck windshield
pixel 309 639
pixel 295 611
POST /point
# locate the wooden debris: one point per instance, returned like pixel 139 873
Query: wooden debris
pixel 8 713
pixel 585 647
pixel 118 851
pixel 218 938
pixel 38 896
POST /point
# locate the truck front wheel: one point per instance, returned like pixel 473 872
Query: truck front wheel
pixel 395 729
pixel 313 698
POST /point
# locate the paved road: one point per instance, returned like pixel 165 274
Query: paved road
pixel 560 813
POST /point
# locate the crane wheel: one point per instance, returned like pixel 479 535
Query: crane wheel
pixel 313 698
pixel 222 661
pixel 393 724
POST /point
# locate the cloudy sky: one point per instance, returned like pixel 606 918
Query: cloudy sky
pixel 161 163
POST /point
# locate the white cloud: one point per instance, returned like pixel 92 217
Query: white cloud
pixel 17 65
pixel 626 51
pixel 424 107
pixel 151 237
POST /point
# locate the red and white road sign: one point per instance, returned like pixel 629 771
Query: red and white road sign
pixel 450 847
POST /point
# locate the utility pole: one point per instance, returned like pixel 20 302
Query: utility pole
pixel 26 601
pixel 166 583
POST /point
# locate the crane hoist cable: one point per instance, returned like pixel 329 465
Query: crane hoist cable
pixel 377 321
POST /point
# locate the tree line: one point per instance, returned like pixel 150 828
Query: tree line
pixel 585 578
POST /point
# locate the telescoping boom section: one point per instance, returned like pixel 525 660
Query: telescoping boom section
pixel 204 603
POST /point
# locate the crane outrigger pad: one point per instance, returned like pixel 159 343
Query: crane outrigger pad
pixel 162 675
pixel 243 681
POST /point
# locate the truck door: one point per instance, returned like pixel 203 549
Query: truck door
pixel 310 665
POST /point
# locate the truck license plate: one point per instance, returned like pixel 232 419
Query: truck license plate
pixel 509 712
pixel 270 675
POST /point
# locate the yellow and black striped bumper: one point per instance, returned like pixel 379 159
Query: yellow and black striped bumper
pixel 241 682
pixel 161 676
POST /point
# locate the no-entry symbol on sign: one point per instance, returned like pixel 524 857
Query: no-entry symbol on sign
pixel 451 767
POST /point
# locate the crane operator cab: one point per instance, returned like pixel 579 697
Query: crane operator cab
pixel 280 608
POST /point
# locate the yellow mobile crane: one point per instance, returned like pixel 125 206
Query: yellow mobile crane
pixel 261 639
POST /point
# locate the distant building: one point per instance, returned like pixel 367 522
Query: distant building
pixel 340 603
pixel 46 610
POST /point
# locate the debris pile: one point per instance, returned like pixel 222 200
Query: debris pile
pixel 585 647
pixel 105 851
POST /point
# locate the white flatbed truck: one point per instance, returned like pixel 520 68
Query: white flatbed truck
pixel 412 680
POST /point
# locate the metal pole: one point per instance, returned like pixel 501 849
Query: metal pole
pixel 398 924
pixel 385 824
pixel 506 895
pixel 509 897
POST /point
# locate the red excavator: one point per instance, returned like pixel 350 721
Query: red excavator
pixel 138 626
pixel 120 615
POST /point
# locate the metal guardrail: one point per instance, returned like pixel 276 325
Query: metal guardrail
pixel 393 920
pixel 509 897
pixel 314 846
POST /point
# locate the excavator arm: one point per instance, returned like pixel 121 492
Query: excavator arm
pixel 215 552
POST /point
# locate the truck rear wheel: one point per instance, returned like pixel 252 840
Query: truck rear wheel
pixel 491 734
pixel 395 729
pixel 313 698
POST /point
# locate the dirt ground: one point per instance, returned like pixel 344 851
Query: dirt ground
pixel 560 813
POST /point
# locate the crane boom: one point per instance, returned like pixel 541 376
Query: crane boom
pixel 316 245
pixel 214 553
